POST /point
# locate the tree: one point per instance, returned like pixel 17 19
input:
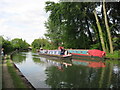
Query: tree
pixel 100 31
pixel 6 45
pixel 41 42
pixel 68 21
pixel 19 44
pixel 107 28
pixel 72 24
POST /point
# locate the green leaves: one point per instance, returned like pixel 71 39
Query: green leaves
pixel 41 42
pixel 73 25
pixel 65 24
pixel 14 44
pixel 19 44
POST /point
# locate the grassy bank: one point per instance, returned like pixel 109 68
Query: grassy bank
pixel 17 81
pixel 116 55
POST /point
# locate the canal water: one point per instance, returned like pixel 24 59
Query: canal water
pixel 44 72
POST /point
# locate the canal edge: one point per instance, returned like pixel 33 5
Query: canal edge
pixel 24 79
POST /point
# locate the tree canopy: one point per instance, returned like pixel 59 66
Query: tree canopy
pixel 19 43
pixel 12 45
pixel 41 43
pixel 73 25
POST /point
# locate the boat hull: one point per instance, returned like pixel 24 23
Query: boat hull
pixel 87 54
pixel 61 57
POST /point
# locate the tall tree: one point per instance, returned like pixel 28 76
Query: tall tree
pixel 68 19
pixel 100 31
pixel 107 28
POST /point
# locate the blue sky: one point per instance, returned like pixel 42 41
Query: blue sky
pixel 23 19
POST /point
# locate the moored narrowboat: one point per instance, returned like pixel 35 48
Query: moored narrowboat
pixel 74 53
pixel 55 53
pixel 87 54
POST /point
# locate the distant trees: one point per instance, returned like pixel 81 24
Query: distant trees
pixel 19 44
pixel 41 42
pixel 13 44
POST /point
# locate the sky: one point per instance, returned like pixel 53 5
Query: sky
pixel 23 19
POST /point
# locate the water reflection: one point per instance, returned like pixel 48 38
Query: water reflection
pixel 72 77
pixel 19 58
pixel 43 72
pixel 37 60
pixel 93 64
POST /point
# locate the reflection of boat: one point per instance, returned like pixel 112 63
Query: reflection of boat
pixel 59 64
pixel 87 54
pixel 92 64
pixel 63 65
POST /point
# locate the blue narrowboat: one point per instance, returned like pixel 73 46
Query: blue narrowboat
pixel 55 53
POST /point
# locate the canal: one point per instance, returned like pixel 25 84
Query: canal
pixel 43 72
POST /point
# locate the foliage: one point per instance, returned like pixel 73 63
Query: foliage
pixel 116 43
pixel 70 24
pixel 38 43
pixel 6 45
pixel 116 54
pixel 12 45
pixel 19 44
pixel 73 24
pixel 95 46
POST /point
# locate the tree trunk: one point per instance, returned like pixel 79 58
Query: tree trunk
pixel 107 28
pixel 100 31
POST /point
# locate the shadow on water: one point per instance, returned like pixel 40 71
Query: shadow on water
pixel 45 73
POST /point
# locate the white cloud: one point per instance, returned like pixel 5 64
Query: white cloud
pixel 23 19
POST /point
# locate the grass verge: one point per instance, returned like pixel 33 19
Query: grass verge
pixel 17 81
pixel 116 55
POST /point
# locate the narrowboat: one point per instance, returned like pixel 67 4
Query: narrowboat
pixel 74 53
pixel 55 54
pixel 87 54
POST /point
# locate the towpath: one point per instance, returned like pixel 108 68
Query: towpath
pixel 7 80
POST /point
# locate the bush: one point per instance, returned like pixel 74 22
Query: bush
pixel 116 54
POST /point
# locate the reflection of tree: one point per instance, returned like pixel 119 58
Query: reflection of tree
pixel 76 76
pixel 101 77
pixel 114 77
pixel 110 75
pixel 108 78
pixel 72 77
pixel 116 81
pixel 37 60
pixel 18 58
